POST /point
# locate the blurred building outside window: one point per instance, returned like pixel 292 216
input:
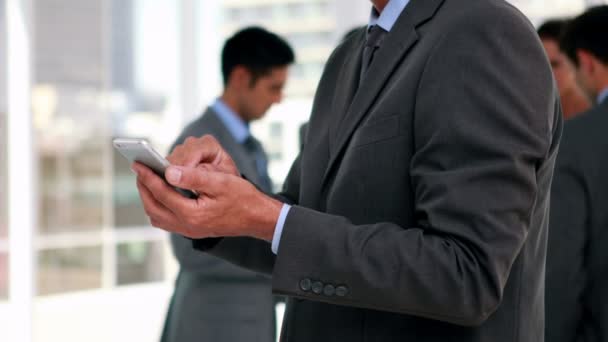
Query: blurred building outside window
pixel 275 139
pixel 98 75
pixel 3 164
pixel 100 69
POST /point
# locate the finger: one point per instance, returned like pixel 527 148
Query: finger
pixel 164 226
pixel 138 168
pixel 149 178
pixel 159 225
pixel 195 151
pixel 210 168
pixel 160 216
pixel 199 179
pixel 155 210
pixel 162 192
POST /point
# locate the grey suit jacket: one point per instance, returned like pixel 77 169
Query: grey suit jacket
pixel 420 200
pixel 213 299
pixel 577 255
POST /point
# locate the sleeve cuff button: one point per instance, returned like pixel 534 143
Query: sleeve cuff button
pixel 305 284
pixel 341 291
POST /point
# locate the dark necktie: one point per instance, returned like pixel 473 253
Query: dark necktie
pixel 255 150
pixel 375 36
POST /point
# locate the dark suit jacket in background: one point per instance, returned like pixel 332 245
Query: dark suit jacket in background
pixel 577 255
pixel 214 300
pixel 420 200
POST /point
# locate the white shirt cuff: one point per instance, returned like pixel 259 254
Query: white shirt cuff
pixel 278 228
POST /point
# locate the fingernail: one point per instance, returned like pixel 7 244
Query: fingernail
pixel 134 171
pixel 174 175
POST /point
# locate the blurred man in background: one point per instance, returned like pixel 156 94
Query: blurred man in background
pixel 574 100
pixel 577 257
pixel 215 300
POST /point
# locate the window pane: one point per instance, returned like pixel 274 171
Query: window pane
pixel 3 163
pixel 3 276
pixel 3 185
pixel 97 74
pixel 72 184
pixel 144 94
pixel 275 140
pixel 140 262
pixel 70 113
pixel 64 270
pixel 128 210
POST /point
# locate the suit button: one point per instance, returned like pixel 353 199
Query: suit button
pixel 305 284
pixel 341 291
pixel 329 290
pixel 317 287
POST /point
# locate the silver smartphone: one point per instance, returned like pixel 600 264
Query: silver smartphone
pixel 140 150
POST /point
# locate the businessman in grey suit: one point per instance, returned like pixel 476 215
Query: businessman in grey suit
pixel 577 254
pixel 418 208
pixel 213 299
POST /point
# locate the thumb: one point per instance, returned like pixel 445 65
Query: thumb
pixel 192 178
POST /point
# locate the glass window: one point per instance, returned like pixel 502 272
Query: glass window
pixel 3 163
pixel 311 9
pixel 128 211
pixel 70 77
pixel 69 115
pixel 310 39
pixel 276 131
pixel 71 183
pixel 139 262
pixel 275 141
pixel 281 12
pixel 98 75
pixel 297 71
pixel 69 269
pixel 3 276
pixel 145 95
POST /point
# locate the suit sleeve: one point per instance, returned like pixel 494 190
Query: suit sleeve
pixel 596 298
pixel 246 252
pixel 483 126
pixel 566 273
pixel 255 255
pixel 596 256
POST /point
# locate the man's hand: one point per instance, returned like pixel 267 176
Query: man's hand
pixel 227 206
pixel 205 150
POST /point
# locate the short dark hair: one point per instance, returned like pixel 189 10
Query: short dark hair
pixel 587 32
pixel 256 49
pixel 552 29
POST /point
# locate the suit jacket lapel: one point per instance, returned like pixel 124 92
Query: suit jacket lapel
pixel 397 43
pixel 346 85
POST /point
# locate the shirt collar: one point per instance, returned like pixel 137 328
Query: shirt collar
pixel 603 96
pixel 389 15
pixel 235 125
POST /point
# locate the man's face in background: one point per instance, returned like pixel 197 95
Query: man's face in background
pixel 563 69
pixel 262 92
pixel 591 73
